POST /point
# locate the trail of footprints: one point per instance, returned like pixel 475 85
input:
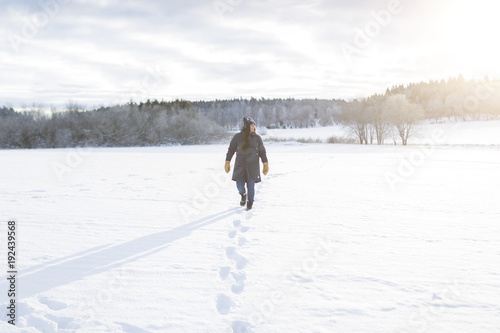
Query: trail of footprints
pixel 235 273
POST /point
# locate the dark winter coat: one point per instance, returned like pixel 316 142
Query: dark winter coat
pixel 246 166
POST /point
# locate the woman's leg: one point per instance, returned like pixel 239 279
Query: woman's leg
pixel 251 190
pixel 240 185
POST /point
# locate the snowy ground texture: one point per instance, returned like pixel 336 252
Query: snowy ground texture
pixel 343 238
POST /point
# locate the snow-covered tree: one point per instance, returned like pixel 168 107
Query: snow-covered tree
pixel 404 115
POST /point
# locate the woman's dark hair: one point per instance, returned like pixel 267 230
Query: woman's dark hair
pixel 245 132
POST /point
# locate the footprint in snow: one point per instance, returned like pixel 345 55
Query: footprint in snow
pixel 237 226
pixel 237 288
pixel 224 304
pixel 239 276
pixel 64 323
pixel 239 279
pixel 53 305
pixel 224 272
pixel 231 252
pixel 41 323
pixel 242 241
pixel 239 260
pixel 241 327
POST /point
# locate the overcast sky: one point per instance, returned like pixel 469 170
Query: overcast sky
pixel 103 52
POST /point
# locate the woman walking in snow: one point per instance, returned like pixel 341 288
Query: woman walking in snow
pixel 248 147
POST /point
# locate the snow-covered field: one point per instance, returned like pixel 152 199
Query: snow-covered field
pixel 343 238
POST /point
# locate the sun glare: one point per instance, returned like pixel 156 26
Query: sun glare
pixel 470 30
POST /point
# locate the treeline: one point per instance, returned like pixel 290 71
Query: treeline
pixel 119 126
pixel 396 114
pixel 392 115
pixel 273 113
pixel 156 122
pixel 455 99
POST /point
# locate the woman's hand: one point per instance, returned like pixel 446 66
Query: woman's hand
pixel 265 170
pixel 227 166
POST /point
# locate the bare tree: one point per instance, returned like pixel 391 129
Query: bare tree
pixel 404 115
pixel 357 119
pixel 380 126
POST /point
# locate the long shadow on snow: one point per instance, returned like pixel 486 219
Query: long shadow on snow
pixel 98 260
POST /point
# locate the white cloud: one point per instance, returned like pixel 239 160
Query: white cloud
pixel 101 51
